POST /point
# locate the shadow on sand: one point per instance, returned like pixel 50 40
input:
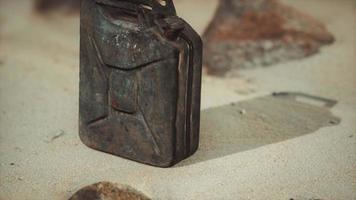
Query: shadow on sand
pixel 257 122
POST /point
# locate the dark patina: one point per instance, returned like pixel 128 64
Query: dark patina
pixel 140 81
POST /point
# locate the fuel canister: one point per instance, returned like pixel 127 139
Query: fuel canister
pixel 140 81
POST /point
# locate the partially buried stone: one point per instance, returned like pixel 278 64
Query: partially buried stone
pixel 107 191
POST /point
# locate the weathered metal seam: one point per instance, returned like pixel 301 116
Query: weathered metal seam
pixel 153 138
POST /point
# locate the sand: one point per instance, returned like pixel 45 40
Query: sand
pixel 42 157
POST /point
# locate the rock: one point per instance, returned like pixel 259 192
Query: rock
pixel 249 33
pixel 107 191
pixel 47 6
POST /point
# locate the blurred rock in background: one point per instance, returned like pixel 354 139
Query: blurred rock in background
pixel 48 6
pixel 249 33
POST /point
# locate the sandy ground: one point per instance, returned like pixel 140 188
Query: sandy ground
pixel 259 147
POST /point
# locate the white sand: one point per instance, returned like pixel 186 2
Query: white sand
pixel 39 101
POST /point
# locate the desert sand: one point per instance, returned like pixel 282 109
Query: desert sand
pixel 253 146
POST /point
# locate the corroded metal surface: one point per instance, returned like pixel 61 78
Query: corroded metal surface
pixel 140 80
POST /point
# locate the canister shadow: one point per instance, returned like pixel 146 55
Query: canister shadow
pixel 261 121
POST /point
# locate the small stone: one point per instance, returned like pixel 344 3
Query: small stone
pixel 332 122
pixel 108 191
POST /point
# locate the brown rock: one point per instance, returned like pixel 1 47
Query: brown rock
pixel 248 33
pixel 107 191
pixel 47 6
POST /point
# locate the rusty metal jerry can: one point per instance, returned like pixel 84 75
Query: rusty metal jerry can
pixel 140 81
